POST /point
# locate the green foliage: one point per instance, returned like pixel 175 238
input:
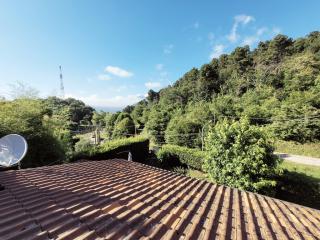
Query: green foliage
pixel 110 122
pixel 306 149
pixel 171 156
pixel 99 118
pixel 182 131
pixel 301 71
pixel 138 146
pixel 157 123
pixel 79 113
pixel 275 86
pixel 153 96
pixel 27 118
pixel 124 128
pixel 298 117
pixel 45 123
pixel 83 145
pixel 137 113
pixel 241 156
pixel 258 105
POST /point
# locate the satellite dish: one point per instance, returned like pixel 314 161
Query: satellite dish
pixel 13 148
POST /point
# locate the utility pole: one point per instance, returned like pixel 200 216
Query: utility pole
pixel 61 83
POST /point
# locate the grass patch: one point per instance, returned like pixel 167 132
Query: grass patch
pixel 309 170
pixel 198 174
pixel 299 183
pixel 306 149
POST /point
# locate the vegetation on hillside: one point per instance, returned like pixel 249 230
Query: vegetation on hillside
pixel 46 124
pixel 219 118
pixel 275 85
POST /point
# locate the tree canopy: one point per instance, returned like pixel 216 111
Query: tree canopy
pixel 276 85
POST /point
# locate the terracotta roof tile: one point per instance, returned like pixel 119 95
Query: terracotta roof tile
pixel 117 199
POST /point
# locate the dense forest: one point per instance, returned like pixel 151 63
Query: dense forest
pixel 276 86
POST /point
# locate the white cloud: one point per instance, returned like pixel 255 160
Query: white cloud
pixel 117 101
pixel 244 19
pixel 261 31
pixel 238 20
pixel 104 77
pixel 152 85
pixel 117 71
pixel 168 49
pixel 217 50
pixel 159 66
pixel 250 40
pixel 255 38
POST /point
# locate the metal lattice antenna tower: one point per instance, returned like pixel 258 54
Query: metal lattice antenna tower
pixel 61 83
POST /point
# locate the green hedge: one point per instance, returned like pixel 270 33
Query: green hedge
pixel 171 156
pixel 138 146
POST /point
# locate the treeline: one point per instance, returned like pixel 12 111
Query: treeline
pixel 276 85
pixel 47 125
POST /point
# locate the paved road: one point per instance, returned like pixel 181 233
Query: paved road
pixel 300 159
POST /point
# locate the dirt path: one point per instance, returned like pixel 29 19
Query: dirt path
pixel 300 159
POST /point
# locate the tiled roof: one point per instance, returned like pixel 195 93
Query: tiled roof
pixel 116 199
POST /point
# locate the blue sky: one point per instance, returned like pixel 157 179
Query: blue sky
pixel 112 52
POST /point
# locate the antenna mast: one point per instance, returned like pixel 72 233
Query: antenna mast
pixel 61 83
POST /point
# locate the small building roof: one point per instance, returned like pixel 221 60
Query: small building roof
pixel 119 199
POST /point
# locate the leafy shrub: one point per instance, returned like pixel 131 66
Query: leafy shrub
pixel 26 117
pixel 123 128
pixel 157 122
pixel 183 132
pixel 171 156
pixel 82 145
pixel 138 146
pixel 241 156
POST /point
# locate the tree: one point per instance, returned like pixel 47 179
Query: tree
pixel 157 123
pixel 208 82
pixel 297 118
pixel 99 118
pixel 183 132
pixel 110 123
pixel 241 156
pixel 137 113
pixel 79 112
pixel 300 72
pixel 152 96
pixel 128 109
pixel 123 128
pixel 26 117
